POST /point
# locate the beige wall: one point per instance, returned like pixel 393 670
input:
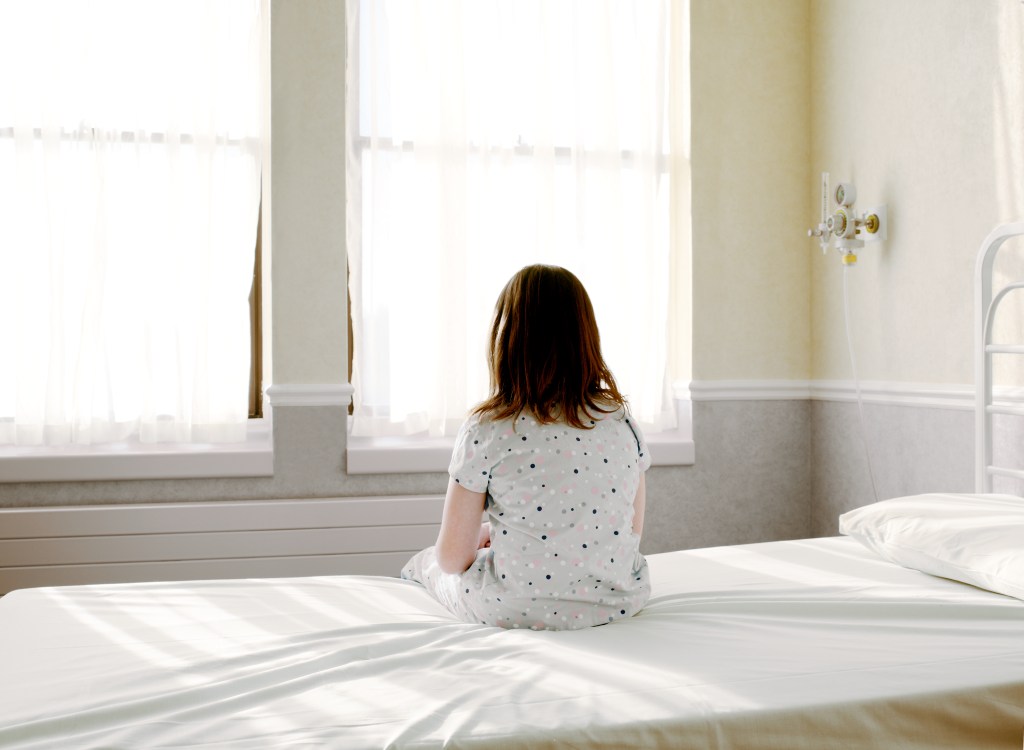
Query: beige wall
pixel 309 319
pixel 921 104
pixel 750 117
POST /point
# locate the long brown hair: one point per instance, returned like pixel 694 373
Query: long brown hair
pixel 545 351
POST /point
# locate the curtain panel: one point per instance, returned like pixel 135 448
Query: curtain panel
pixel 129 191
pixel 484 136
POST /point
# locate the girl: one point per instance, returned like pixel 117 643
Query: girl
pixel 557 463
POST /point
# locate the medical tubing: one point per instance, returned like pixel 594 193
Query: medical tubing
pixel 856 381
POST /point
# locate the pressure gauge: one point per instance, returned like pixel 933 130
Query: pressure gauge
pixel 845 194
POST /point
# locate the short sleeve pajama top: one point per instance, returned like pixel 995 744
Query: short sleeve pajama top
pixel 560 502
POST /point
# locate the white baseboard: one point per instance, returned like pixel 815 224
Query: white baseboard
pixel 309 394
pixel 894 393
pixel 750 390
pixel 934 395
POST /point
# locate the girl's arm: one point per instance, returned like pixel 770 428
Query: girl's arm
pixel 460 534
pixel 639 503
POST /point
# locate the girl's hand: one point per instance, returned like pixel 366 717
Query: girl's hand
pixel 485 536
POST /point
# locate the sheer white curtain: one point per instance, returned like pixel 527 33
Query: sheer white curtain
pixel 129 196
pixel 483 136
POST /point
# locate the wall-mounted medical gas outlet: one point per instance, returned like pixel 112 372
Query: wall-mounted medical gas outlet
pixel 844 226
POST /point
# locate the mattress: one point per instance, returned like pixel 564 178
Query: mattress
pixel 798 644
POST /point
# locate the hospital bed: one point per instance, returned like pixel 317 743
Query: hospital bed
pixel 905 632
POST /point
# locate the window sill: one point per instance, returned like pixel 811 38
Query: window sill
pixel 120 461
pixel 407 455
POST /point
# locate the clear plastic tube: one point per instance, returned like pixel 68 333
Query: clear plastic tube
pixel 856 381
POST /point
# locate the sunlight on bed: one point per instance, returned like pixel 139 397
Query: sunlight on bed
pixel 734 637
pixel 98 620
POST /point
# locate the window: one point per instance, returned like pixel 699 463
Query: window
pixel 130 158
pixel 485 136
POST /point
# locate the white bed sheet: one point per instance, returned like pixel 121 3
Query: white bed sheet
pixel 803 644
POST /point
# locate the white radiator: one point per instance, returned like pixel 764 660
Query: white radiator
pixel 189 541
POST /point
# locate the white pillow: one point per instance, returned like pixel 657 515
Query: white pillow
pixel 976 539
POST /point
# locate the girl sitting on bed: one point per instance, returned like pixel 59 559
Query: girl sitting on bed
pixel 557 464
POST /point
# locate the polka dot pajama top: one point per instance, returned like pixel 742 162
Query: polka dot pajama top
pixel 560 502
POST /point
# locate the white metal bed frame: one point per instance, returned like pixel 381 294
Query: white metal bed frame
pixel 985 306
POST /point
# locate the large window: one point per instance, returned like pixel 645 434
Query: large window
pixel 130 155
pixel 486 135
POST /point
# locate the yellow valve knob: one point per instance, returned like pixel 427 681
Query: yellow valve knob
pixel 850 259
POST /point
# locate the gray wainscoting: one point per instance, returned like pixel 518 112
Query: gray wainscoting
pixel 750 482
pixel 913 449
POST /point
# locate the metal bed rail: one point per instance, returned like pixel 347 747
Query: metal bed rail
pixel 985 306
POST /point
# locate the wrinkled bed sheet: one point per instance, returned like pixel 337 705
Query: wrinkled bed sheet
pixel 801 644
